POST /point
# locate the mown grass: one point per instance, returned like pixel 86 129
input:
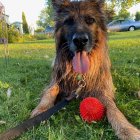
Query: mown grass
pixel 29 71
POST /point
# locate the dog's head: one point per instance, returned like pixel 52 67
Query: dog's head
pixel 77 26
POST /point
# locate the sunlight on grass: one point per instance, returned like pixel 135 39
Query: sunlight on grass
pixel 29 71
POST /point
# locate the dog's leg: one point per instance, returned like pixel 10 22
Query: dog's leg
pixel 124 130
pixel 47 100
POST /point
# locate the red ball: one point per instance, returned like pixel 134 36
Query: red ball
pixel 91 110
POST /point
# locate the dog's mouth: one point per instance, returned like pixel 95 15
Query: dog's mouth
pixel 80 62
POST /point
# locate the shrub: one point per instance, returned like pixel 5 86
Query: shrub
pixel 38 30
pixel 43 36
pixel 3 29
pixel 27 37
pixel 14 35
pixel 137 16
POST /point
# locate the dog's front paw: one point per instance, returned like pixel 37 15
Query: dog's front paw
pixel 135 135
pixel 39 109
pixel 130 133
pixel 36 112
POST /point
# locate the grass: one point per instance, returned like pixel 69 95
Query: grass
pixel 28 72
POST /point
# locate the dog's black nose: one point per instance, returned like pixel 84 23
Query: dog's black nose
pixel 80 40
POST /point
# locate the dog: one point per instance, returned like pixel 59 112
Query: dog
pixel 81 49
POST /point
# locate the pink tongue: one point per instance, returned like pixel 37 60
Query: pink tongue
pixel 80 62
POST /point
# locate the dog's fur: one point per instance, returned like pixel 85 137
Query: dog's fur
pixel 86 17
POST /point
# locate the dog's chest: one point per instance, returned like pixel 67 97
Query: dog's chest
pixel 72 82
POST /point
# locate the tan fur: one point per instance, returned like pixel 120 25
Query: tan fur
pixel 98 80
pixel 47 101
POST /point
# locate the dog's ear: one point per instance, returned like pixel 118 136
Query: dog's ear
pixel 99 3
pixel 59 4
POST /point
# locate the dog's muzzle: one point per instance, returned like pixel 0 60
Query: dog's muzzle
pixel 80 40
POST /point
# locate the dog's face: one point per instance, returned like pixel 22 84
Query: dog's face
pixel 77 25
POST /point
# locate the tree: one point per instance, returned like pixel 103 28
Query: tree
pixel 24 23
pixel 46 16
pixel 137 16
pixel 40 29
pixel 123 3
pixel 111 6
pixel 110 11
pixel 120 7
pixel 123 14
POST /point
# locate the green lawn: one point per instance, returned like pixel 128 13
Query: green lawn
pixel 29 71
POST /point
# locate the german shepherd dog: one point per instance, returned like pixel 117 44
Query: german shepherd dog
pixel 81 47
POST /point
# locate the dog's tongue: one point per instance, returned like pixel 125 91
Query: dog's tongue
pixel 80 62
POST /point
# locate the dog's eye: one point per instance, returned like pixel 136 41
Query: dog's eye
pixel 89 20
pixel 69 21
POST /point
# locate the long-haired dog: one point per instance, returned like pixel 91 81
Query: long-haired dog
pixel 81 47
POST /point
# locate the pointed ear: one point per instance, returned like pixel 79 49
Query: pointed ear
pixel 57 4
pixel 99 3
